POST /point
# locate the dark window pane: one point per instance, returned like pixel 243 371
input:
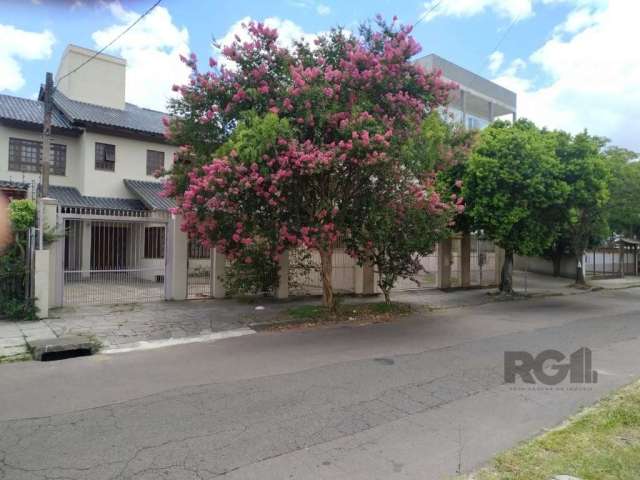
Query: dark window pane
pixel 26 156
pixel 154 242
pixel 155 161
pixel 105 157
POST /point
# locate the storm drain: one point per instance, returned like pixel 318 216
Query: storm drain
pixel 61 348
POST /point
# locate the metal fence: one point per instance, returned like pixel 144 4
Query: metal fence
pixel 198 271
pixel 110 262
pixel 483 261
pixel 612 261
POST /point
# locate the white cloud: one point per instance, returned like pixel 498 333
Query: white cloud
pixel 512 9
pixel 495 61
pixel 593 77
pixel 18 45
pixel 323 9
pixel 152 50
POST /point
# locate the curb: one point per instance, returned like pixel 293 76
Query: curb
pixel 172 342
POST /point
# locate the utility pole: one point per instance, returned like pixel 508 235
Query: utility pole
pixel 46 153
pixel 46 133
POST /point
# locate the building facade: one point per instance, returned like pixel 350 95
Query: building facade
pixel 118 242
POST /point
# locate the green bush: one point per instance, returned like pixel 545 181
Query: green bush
pixel 13 264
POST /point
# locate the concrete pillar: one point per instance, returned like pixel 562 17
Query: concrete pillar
pixel 465 260
pixel 513 117
pixel 621 260
pixel 491 114
pixel 42 282
pixel 85 264
pixel 364 281
pixel 444 264
pixel 282 292
pixel 55 257
pixel 499 255
pixel 176 261
pixel 218 262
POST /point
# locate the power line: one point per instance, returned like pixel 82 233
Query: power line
pixel 504 35
pixel 118 37
pixel 425 14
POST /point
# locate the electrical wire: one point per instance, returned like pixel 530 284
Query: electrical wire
pixel 118 37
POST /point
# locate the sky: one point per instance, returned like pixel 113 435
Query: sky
pixel 574 64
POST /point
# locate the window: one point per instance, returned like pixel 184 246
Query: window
pixel 154 242
pixel 26 156
pixel 196 250
pixel 155 161
pixel 105 157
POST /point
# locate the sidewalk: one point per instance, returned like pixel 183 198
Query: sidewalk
pixel 127 327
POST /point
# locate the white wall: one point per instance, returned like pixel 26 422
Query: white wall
pixel 545 267
pixel 100 81
pixel 74 167
pixel 131 163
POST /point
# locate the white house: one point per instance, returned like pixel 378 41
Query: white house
pixel 104 153
pixel 120 243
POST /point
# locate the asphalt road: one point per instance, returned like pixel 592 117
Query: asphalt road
pixel 422 398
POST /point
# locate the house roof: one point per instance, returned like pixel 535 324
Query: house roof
pixel 131 118
pixel 71 197
pixel 69 114
pixel 149 193
pixel 29 111
pixel 11 185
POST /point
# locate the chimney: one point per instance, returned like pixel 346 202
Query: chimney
pixel 101 81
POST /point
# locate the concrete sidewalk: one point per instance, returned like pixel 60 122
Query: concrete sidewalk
pixel 127 327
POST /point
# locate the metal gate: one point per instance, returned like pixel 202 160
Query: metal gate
pixel 198 271
pixel 113 261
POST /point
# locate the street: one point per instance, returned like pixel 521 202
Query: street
pixel 420 398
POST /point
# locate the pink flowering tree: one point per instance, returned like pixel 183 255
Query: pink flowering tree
pixel 283 148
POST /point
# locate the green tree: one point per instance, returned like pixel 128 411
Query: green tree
pixel 512 184
pixel 582 222
pixel 624 187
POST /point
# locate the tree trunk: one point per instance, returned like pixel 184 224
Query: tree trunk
pixel 387 295
pixel 506 278
pixel 580 278
pixel 326 269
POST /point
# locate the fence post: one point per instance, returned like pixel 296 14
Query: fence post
pixel 283 276
pixel 176 268
pixel 41 282
pixel 465 260
pixel 444 264
pixel 47 287
pixel 218 262
pixel 364 281
pixel 85 260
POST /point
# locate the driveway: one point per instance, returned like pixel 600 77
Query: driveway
pixel 422 398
